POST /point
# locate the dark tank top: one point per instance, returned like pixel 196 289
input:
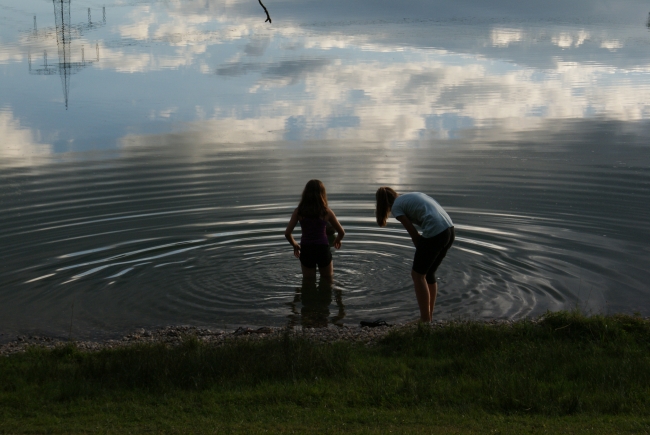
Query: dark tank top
pixel 313 231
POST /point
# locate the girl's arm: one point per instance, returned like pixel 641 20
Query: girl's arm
pixel 331 218
pixel 413 232
pixel 287 233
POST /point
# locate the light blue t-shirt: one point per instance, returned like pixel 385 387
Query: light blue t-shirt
pixel 423 211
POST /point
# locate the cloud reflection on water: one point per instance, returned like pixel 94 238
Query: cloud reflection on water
pixel 387 80
pixel 20 146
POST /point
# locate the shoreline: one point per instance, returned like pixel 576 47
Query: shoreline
pixel 173 335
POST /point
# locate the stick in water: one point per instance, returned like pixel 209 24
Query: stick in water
pixel 268 17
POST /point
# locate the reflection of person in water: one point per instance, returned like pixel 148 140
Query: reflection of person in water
pixel 314 215
pixel 315 298
pixel 430 247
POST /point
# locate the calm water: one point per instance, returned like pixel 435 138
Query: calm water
pixel 151 154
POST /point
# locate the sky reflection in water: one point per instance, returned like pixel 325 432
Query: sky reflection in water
pixel 509 112
pixel 376 73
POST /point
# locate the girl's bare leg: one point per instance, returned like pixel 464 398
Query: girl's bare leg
pixel 422 295
pixel 433 293
pixel 308 272
pixel 327 272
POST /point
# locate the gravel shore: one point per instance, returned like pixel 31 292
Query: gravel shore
pixel 173 335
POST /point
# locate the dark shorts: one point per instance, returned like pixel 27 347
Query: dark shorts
pixel 431 251
pixel 312 255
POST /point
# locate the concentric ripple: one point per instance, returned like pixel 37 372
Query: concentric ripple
pixel 179 240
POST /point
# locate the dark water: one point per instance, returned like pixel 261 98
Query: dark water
pixel 152 152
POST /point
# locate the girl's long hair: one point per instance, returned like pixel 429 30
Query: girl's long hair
pixel 313 203
pixel 385 198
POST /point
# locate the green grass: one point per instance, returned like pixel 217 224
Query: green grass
pixel 565 374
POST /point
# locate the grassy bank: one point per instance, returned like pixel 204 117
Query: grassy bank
pixel 565 373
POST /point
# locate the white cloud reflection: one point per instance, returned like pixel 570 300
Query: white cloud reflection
pixel 570 39
pixel 409 100
pixel 19 146
pixel 404 98
pixel 503 37
pixel 611 45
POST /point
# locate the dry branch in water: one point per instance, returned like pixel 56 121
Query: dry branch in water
pixel 268 17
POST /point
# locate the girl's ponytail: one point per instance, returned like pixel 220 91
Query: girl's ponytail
pixel 385 197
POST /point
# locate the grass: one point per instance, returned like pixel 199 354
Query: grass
pixel 567 373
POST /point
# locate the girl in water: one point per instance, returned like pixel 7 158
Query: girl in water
pixel 314 216
pixel 430 247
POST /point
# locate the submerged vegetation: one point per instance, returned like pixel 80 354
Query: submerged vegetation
pixel 562 371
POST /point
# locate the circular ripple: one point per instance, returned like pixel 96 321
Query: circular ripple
pixel 163 249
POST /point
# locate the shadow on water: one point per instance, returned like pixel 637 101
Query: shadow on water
pixel 314 299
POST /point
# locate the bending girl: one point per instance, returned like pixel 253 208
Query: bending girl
pixel 430 247
pixel 314 215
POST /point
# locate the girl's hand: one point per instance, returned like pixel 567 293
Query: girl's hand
pixel 287 233
pixel 336 225
pixel 415 236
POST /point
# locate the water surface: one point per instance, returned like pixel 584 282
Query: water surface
pixel 151 154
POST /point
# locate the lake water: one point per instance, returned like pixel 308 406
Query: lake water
pixel 151 153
